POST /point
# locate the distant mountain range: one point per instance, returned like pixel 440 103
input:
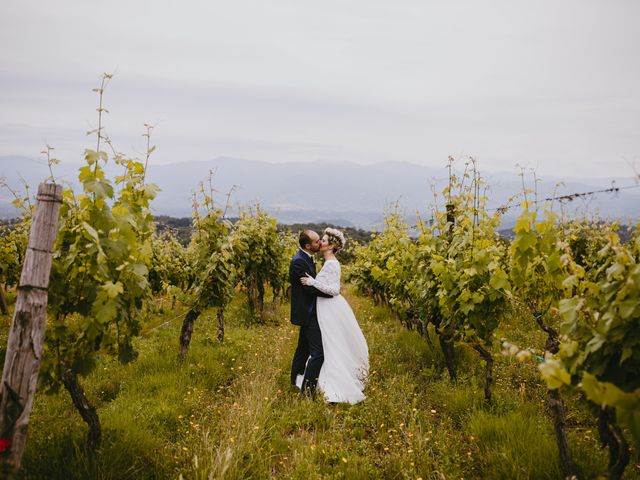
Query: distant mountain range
pixel 342 193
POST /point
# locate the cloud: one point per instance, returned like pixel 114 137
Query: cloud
pixel 545 83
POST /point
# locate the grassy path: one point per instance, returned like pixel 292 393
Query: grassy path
pixel 229 412
pixel 413 424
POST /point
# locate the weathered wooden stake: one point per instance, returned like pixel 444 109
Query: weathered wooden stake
pixel 26 337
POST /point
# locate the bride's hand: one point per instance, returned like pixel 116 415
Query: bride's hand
pixel 306 280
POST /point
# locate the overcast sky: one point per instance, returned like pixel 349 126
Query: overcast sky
pixel 554 85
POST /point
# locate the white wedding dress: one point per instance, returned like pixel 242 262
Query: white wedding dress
pixel 346 355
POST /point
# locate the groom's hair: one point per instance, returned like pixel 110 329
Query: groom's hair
pixel 305 238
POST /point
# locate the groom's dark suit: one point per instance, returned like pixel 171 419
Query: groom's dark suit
pixel 303 313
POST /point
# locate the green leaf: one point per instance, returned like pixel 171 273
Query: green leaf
pixel 605 393
pixel 524 241
pixel 93 234
pixel 615 270
pixel 499 280
pixel 554 374
pixel 627 308
pixel 568 348
pixel 568 308
pixel 595 344
pixel 106 312
pixel 626 353
pixel 113 289
pixel 102 188
pixel 524 222
pixel 91 156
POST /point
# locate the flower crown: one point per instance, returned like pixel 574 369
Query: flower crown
pixel 336 237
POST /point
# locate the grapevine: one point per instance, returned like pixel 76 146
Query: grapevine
pixel 99 277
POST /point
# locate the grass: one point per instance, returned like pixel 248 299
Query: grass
pixel 146 408
pixel 229 411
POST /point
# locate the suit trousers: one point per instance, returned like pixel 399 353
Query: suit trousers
pixel 309 348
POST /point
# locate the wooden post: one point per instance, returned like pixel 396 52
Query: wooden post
pixel 26 337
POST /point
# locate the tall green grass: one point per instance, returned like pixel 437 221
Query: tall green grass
pixel 146 408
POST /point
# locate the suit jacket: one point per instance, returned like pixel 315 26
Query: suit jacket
pixel 303 297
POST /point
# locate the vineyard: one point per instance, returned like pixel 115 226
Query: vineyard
pixel 490 358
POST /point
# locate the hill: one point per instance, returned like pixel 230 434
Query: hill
pixel 339 193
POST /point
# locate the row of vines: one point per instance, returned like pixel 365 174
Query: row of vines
pixel 457 278
pixel 109 264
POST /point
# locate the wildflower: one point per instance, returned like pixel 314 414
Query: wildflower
pixel 5 444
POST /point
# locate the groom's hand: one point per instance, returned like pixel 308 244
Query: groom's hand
pixel 299 270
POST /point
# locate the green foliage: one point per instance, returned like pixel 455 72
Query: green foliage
pixel 261 254
pixel 223 254
pixel 586 238
pixel 539 263
pixel 288 246
pixel 14 236
pixel 13 245
pixel 101 262
pixel 212 256
pixel 600 350
pixel 468 263
pixel 453 275
pixel 170 267
pixel 384 267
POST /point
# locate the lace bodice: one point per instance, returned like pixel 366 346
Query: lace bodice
pixel 328 279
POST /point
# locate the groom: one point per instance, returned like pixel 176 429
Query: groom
pixel 303 313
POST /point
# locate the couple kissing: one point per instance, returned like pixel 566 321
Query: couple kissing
pixel 332 354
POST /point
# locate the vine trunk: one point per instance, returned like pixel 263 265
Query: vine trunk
pixel 612 436
pixel 84 407
pixel 488 371
pixel 220 319
pixel 186 331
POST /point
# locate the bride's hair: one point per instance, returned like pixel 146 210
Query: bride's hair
pixel 335 238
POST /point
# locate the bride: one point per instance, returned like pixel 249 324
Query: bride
pixel 346 356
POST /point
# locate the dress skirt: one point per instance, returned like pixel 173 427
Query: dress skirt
pixel 346 355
